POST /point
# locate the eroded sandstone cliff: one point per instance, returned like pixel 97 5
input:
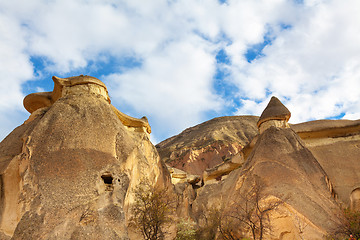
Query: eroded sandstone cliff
pixel 69 171
pixel 312 168
pixel 208 144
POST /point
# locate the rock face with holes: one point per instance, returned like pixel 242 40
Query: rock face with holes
pixel 69 171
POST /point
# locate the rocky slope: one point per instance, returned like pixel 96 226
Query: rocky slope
pixel 312 168
pixel 336 145
pixel 208 144
pixel 69 172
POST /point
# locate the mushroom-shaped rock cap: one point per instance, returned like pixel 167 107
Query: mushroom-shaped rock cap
pixel 59 83
pixel 34 101
pixel 275 110
pixel 82 79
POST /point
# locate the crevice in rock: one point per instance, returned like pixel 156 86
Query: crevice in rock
pixel 107 178
pixel 108 181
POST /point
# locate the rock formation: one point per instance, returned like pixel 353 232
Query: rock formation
pixel 336 146
pixel 311 167
pixel 208 144
pixel 291 173
pixel 288 171
pixel 69 171
pixel 275 114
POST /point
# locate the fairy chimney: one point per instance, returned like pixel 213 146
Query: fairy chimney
pixel 70 171
pixel 275 114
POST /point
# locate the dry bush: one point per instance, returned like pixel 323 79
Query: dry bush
pixel 350 225
pixel 151 212
pixel 209 221
pixel 248 214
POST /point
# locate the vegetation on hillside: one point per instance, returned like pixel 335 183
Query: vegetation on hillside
pixel 350 225
pixel 151 211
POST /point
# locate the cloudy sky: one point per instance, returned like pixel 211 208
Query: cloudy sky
pixel 182 62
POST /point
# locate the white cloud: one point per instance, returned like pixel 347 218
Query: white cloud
pixel 312 66
pixel 15 69
pixel 173 86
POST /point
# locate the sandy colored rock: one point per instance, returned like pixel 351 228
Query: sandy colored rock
pixel 224 168
pixel 69 173
pixel 289 172
pixel 70 170
pixel 336 145
pixel 208 144
pixel 35 101
pixel 80 84
pixel 293 174
pixel 275 110
pixel 327 128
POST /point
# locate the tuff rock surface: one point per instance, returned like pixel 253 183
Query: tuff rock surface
pixel 208 144
pixel 312 168
pixel 69 171
pixel 336 146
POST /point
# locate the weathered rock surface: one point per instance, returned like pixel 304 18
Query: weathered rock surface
pixel 275 114
pixel 208 144
pixel 70 170
pixel 275 110
pixel 312 167
pixel 336 145
pixel 291 173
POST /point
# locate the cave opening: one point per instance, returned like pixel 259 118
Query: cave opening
pixel 107 178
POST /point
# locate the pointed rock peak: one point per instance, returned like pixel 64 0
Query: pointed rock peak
pixel 275 110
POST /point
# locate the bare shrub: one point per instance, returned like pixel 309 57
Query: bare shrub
pixel 350 225
pixel 248 214
pixel 151 211
pixel 209 223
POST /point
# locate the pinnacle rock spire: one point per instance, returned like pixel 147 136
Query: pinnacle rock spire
pixel 275 110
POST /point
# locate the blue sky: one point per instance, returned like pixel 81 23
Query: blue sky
pixel 182 62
